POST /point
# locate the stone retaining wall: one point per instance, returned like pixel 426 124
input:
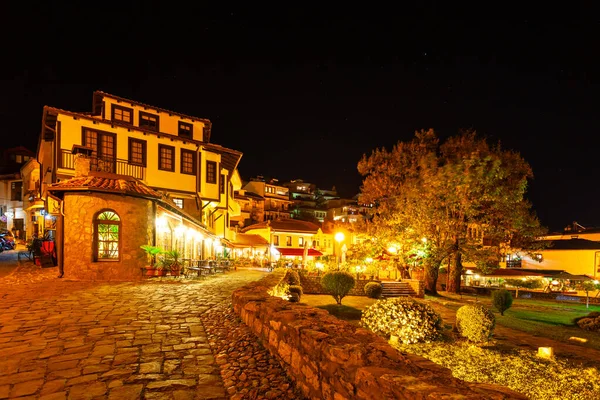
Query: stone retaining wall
pixel 332 359
pixel 312 285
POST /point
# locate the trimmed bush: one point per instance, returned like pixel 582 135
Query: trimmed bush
pixel 475 322
pixel 404 317
pixel 373 290
pixel 590 322
pixel 338 284
pixel 502 300
pixel 296 289
pixel 291 277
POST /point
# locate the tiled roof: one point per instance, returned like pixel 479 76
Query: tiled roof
pixel 105 182
pixel 249 240
pixel 572 244
pixel 286 225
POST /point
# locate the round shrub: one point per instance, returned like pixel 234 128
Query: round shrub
pixel 296 289
pixel 404 317
pixel 475 322
pixel 502 300
pixel 590 322
pixel 373 290
pixel 338 284
pixel 291 277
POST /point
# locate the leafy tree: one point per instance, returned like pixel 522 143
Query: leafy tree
pixel 428 195
pixel 524 284
pixel 338 284
pixel 588 286
pixel 502 300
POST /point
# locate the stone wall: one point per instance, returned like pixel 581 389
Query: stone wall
pixel 333 359
pixel 312 285
pixel 137 221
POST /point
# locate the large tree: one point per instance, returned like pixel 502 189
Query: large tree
pixel 440 193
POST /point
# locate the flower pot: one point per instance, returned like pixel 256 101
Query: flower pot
pixel 150 271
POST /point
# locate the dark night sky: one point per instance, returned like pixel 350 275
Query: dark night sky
pixel 304 92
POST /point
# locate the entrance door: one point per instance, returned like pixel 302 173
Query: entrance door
pixel 18 225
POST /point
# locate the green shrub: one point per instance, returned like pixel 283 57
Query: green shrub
pixel 296 289
pixel 475 322
pixel 502 300
pixel 404 317
pixel 291 277
pixel 338 284
pixel 373 290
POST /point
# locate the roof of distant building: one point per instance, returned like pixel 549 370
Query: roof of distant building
pixel 250 240
pixel 571 244
pixel 286 225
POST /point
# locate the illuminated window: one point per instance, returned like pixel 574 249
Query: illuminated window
pixel 186 130
pixel 188 162
pixel 301 241
pixel 107 227
pixel 288 241
pixel 211 172
pixel 166 157
pixel 276 240
pixel 148 121
pixel 137 152
pixel 122 114
pixel 178 202
pixel 538 257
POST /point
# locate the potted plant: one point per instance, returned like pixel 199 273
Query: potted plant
pixel 152 252
pixel 171 262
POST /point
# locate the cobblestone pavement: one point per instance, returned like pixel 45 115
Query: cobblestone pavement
pixel 160 339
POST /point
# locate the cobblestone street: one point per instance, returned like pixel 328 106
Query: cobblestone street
pixel 63 339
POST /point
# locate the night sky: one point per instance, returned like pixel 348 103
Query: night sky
pixel 304 92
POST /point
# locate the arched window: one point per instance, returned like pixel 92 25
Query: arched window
pixel 107 236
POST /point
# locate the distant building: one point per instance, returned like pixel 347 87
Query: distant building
pixel 277 197
pixel 12 215
pixel 252 207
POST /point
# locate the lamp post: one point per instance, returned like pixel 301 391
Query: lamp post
pixel 339 238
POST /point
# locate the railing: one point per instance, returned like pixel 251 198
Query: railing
pixel 513 264
pixel 105 164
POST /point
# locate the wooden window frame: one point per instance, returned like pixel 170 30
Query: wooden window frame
pixel 185 133
pixel 275 240
pixel 119 121
pixel 167 147
pixel 214 177
pixel 144 151
pixel 288 241
pixel 193 155
pixel 222 183
pixel 150 115
pixel 300 241
pixel 96 237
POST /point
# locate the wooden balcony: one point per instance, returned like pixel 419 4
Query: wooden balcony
pixel 105 164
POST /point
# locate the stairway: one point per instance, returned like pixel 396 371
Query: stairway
pixel 397 289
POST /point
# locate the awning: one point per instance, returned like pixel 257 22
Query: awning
pixel 249 240
pixel 290 251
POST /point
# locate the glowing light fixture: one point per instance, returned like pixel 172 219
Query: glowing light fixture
pixel 392 249
pixel 339 237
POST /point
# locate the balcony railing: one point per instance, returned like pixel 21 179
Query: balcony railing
pixel 105 164
pixel 516 263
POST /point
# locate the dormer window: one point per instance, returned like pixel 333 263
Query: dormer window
pixel 186 130
pixel 122 114
pixel 148 121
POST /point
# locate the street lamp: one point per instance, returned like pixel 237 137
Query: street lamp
pixel 339 237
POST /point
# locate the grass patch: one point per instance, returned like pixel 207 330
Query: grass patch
pixel 350 310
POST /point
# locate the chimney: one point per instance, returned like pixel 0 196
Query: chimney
pixel 82 160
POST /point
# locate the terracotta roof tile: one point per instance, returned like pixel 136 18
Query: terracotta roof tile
pixel 101 181
pixel 290 225
pixel 249 240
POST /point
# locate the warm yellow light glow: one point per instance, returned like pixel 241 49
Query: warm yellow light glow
pixel 476 276
pixel 369 260
pixel 319 265
pixel 424 240
pixel 392 249
pixel 179 229
pixel 339 237
pixel 596 282
pixel 191 232
pixel 161 222
pixel 217 241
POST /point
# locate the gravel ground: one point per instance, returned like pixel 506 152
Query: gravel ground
pixel 249 371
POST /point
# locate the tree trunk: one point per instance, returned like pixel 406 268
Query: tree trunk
pixel 431 275
pixel 455 269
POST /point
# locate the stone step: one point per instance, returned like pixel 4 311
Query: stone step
pixel 397 289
